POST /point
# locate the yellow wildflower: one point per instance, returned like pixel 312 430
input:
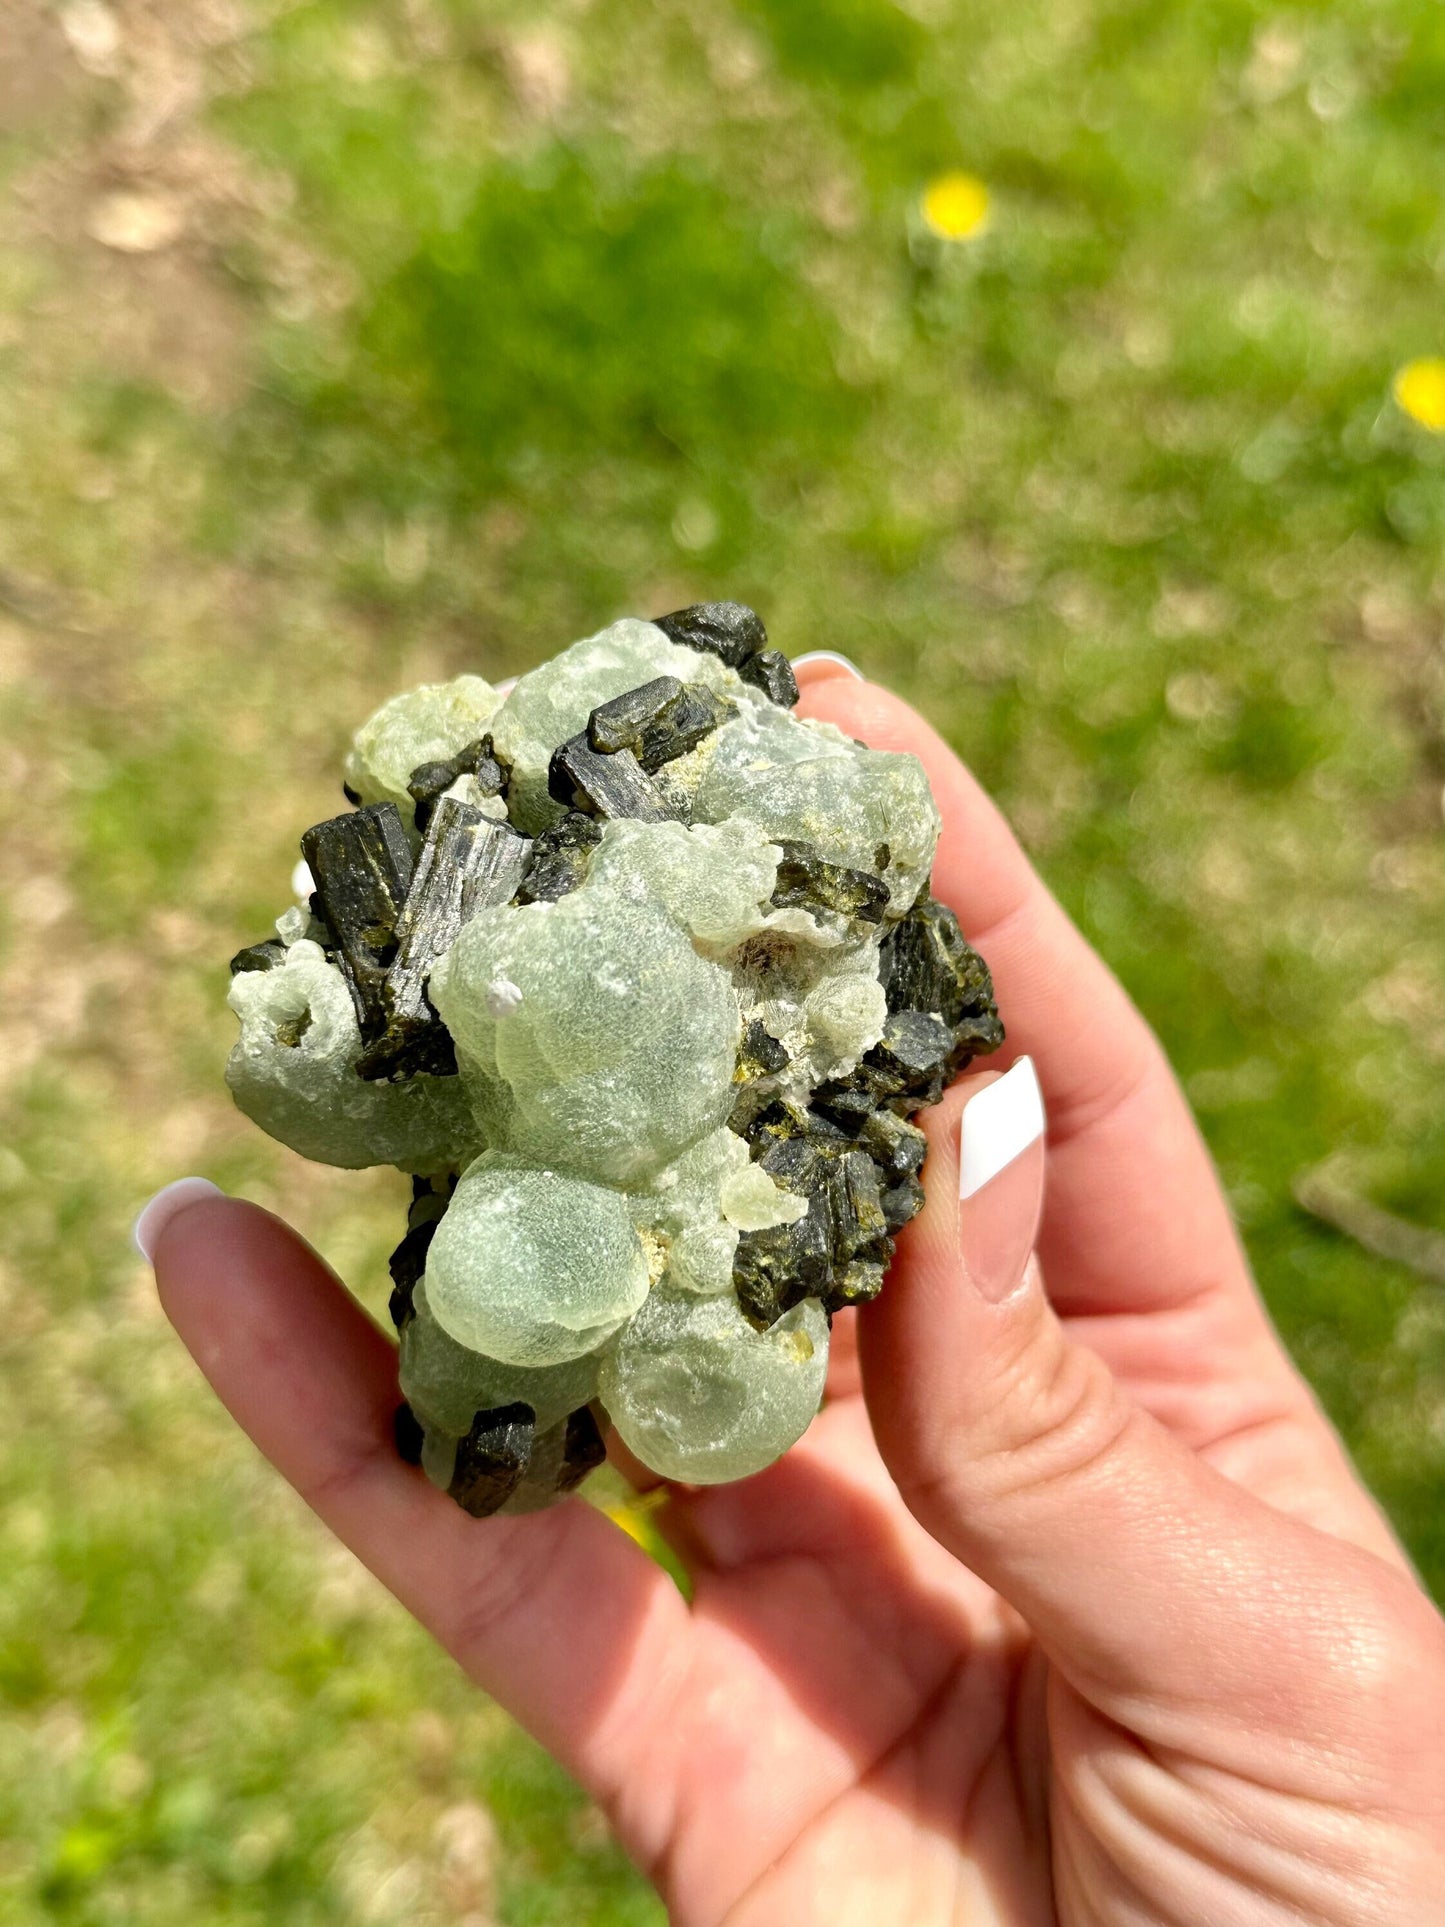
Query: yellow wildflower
pixel 956 206
pixel 1420 391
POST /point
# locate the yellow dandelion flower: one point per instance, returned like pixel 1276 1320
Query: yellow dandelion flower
pixel 956 206
pixel 1420 391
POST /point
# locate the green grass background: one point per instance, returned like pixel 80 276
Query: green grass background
pixel 352 342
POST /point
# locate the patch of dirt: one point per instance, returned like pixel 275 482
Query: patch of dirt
pixel 136 208
pixel 37 70
pixel 169 318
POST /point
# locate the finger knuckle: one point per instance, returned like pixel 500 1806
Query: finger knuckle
pixel 1060 1419
pixel 499 1586
pixel 1054 1418
pixel 350 1461
pixel 1359 1676
pixel 1392 1658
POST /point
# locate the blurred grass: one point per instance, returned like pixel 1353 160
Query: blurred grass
pixel 346 344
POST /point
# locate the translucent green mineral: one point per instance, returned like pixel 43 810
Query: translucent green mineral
pixel 595 1038
pixel 530 1267
pixel 424 725
pixel 447 1383
pixel 293 1070
pixel 700 1394
pixel 639 976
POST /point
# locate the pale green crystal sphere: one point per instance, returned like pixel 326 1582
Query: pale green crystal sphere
pixel 424 725
pixel 752 1202
pixel 683 1205
pixel 530 1267
pixel 700 1395
pixel 713 880
pixel 592 1036
pixel 552 702
pixel 844 1015
pixel 807 781
pixel 293 1070
pixel 700 1257
pixel 446 1385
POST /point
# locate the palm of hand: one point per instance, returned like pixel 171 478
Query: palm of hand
pixel 858 1706
pixel 866 1732
pixel 1214 1693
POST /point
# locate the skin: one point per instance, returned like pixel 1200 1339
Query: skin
pixel 1068 1608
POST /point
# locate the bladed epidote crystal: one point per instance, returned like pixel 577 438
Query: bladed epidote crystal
pixel 467 862
pixel 639 974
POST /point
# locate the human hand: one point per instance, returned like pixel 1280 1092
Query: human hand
pixel 1068 1607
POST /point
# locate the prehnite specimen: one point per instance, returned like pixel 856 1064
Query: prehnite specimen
pixel 639 976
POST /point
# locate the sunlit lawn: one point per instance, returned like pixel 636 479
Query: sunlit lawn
pixel 343 345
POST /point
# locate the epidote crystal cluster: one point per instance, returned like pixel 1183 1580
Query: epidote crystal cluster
pixel 639 976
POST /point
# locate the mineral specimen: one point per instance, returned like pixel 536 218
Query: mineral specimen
pixel 640 976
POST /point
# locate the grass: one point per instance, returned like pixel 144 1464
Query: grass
pixel 473 328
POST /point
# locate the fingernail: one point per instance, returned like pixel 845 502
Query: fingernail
pixel 843 663
pixel 1001 1180
pixel 153 1217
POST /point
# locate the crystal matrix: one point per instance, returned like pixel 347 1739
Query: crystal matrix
pixel 640 977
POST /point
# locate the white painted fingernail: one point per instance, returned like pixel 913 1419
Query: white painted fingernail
pixel 830 656
pixel 1001 1182
pixel 1000 1123
pixel 153 1217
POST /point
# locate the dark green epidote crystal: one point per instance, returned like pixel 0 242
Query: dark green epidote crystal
pixel 770 671
pixel 853 1153
pixel 807 882
pixel 658 721
pixel 467 862
pixel 606 770
pixel 735 635
pixel 902 1201
pixel 926 963
pixel 408 1262
pixel 604 785
pixel 497 1454
pixel 760 1054
pixel 584 1448
pixel 258 956
pixel 622 722
pixel 492 1458
pixel 896 1146
pixel 407 1265
pixel 559 858
pixel 838 1252
pixel 362 865
pixel 728 630
pixel 428 781
pixel 942 1015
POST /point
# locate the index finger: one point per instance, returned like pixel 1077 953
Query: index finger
pixel 1135 1220
pixel 557 1614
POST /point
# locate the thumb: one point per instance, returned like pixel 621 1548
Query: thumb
pixel 1143 1573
